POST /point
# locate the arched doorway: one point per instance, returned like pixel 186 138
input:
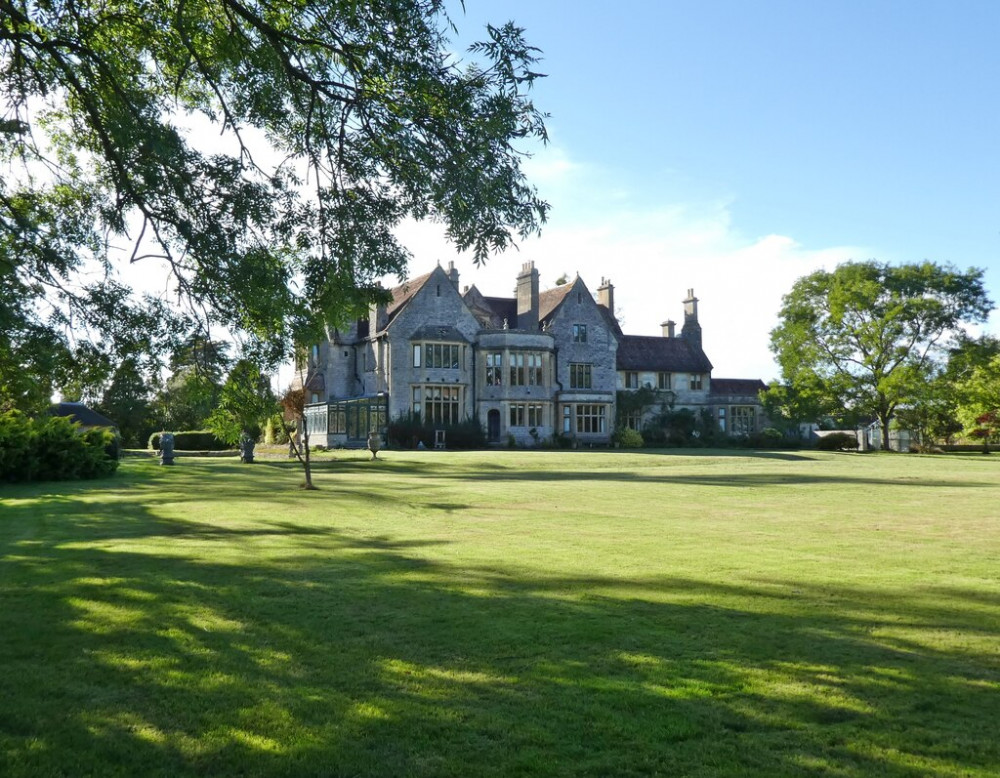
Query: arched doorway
pixel 493 425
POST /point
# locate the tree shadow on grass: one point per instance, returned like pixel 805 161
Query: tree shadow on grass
pixel 340 656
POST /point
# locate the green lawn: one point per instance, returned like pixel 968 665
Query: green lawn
pixel 506 613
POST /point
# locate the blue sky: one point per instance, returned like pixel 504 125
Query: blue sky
pixel 735 146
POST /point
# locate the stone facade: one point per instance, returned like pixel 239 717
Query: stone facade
pixel 527 367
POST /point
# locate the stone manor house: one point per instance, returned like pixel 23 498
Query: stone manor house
pixel 530 367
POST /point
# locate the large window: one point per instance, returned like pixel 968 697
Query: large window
pixel 441 355
pixel 494 369
pixel 663 381
pixel 590 419
pixel 526 368
pixel 355 418
pixel 517 368
pixel 580 375
pixel 742 420
pixel 533 364
pixel 631 380
pixel 526 415
pixel 579 333
pixel 438 404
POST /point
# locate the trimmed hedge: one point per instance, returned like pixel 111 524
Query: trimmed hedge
pixel 837 441
pixel 191 440
pixel 53 448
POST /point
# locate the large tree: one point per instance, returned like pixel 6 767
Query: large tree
pixel 333 121
pixel 866 335
pixel 246 402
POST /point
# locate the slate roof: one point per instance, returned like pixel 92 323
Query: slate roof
pixel 668 355
pixel 551 299
pixel 81 413
pixel 401 294
pixel 737 386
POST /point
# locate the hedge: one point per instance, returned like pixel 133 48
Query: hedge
pixel 191 440
pixel 837 441
pixel 53 448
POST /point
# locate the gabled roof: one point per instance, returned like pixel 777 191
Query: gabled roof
pixel 403 293
pixel 82 414
pixel 737 386
pixel 667 355
pixel 551 299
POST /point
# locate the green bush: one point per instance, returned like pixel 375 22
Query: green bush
pixel 628 438
pixel 53 448
pixel 154 442
pixel 771 436
pixel 837 441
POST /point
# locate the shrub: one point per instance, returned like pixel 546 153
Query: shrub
pixel 628 438
pixel 837 441
pixel 53 449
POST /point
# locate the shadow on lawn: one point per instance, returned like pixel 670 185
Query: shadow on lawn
pixel 365 658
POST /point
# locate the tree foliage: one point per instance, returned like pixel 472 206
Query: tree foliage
pixel 246 402
pixel 333 122
pixel 867 335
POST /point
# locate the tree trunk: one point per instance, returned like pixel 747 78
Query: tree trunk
pixel 884 422
pixel 305 459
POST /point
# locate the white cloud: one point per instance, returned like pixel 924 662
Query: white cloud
pixel 653 254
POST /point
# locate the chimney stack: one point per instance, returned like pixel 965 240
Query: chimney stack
pixel 606 295
pixel 527 297
pixel 668 328
pixel 453 274
pixel 691 331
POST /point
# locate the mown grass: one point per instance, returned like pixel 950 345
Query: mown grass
pixel 506 613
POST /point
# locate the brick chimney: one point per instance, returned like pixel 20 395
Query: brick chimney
pixel 527 297
pixel 606 295
pixel 691 331
pixel 668 328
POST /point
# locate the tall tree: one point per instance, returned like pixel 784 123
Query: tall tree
pixel 334 121
pixel 867 334
pixel 126 401
pixel 246 401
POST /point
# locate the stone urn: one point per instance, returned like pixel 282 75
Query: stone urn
pixel 166 448
pixel 247 443
pixel 374 443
